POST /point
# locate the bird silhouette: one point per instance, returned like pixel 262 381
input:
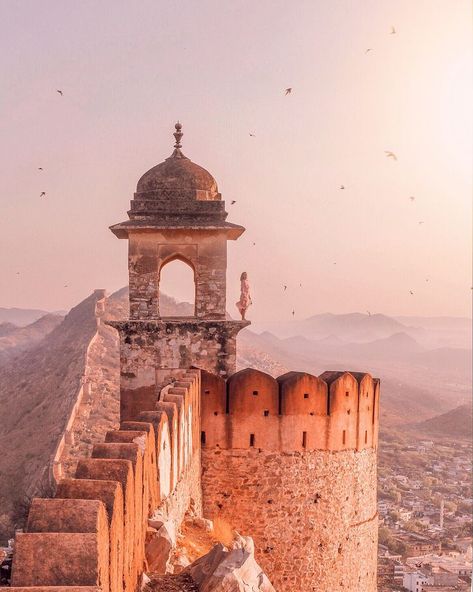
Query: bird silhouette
pixel 393 31
pixel 411 292
pixel 288 91
pixel 300 285
pixel 40 168
pixel 369 49
pixel 390 154
pixel 60 92
pixel 412 198
pixel 66 286
pixel 421 222
pixel 293 312
pixel 43 193
pixel 285 288
pixel 335 263
pixel 252 135
pixel 254 244
pixel 342 186
pixel 233 202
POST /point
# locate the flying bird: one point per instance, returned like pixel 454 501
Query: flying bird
pixel 390 154
pixel 300 285
pixel 293 312
pixel 342 186
pixel 411 292
pixel 412 198
pixel 285 288
pixel 66 286
pixel 233 202
pixel 393 31
pixel 335 263
pixel 40 168
pixel 254 244
pixel 252 135
pixel 60 92
pixel 43 193
pixel 421 222
pixel 288 91
pixel 369 49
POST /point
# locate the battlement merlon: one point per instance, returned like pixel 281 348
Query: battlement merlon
pixel 295 412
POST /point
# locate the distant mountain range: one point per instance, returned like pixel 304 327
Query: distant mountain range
pixel 358 328
pixel 24 316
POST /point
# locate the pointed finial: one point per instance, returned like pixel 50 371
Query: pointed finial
pixel 178 135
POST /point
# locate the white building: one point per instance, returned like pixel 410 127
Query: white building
pixel 414 581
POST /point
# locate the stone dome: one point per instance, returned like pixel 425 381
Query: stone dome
pixel 178 175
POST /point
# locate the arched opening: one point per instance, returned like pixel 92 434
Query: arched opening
pixel 177 289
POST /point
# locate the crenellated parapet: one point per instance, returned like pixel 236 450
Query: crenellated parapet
pixel 93 533
pixel 295 412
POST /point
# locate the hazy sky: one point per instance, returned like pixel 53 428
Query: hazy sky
pixel 129 69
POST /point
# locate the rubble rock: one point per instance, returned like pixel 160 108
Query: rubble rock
pixel 230 570
pixel 159 546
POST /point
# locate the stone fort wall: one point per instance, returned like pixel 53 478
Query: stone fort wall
pixel 94 531
pixel 292 462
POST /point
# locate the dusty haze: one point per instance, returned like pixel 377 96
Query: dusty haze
pixel 128 71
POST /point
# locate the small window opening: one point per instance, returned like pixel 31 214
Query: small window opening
pixel 202 437
pixel 252 440
pixel 306 395
pixel 255 393
pixel 304 439
pixel 266 412
pixel 366 436
pixel 344 437
pixel 207 392
pixel 348 411
pixel 215 412
pixel 347 393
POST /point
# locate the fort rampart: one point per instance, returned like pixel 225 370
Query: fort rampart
pixel 94 532
pixel 292 462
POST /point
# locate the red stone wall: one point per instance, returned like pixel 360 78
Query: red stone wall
pixel 292 462
pixel 93 532
pixel 297 411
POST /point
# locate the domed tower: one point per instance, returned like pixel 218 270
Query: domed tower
pixel 177 213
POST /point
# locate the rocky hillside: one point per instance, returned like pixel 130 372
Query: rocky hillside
pixel 38 388
pixel 15 340
pixel 457 423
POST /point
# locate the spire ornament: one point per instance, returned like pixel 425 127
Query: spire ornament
pixel 177 146
pixel 178 135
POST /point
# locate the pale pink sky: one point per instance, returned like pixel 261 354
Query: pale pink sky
pixel 128 70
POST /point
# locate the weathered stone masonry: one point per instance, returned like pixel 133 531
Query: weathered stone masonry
pixel 292 462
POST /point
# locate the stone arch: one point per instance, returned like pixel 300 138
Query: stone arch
pixel 190 296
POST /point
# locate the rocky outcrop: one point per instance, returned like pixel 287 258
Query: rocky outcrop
pixel 231 569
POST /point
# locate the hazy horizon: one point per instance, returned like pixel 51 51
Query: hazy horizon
pixel 129 71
